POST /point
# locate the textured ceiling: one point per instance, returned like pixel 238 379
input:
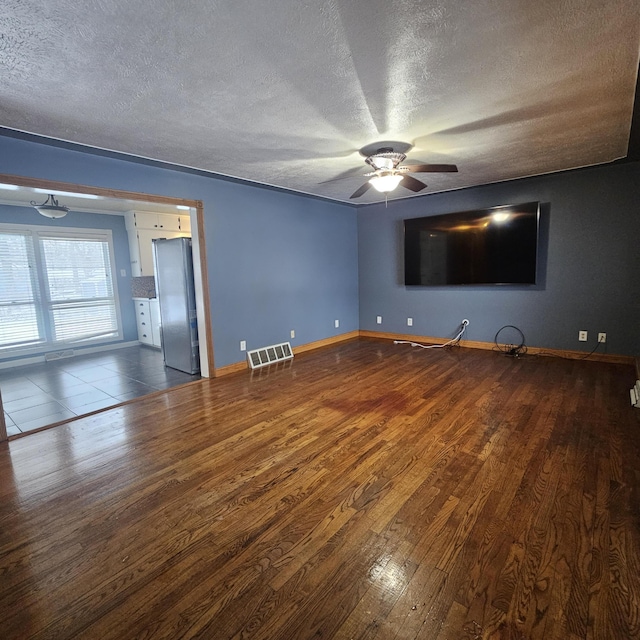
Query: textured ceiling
pixel 286 92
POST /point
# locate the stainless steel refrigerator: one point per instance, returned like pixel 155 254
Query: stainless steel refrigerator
pixel 177 301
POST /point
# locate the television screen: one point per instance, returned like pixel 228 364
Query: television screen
pixel 487 246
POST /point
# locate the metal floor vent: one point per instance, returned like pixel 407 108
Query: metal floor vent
pixel 58 355
pixel 266 355
pixel 635 394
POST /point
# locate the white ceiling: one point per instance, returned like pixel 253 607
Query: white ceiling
pixel 286 92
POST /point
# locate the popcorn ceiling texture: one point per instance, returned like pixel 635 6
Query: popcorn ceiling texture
pixel 285 92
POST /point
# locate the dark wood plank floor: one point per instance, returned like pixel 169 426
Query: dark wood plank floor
pixel 368 490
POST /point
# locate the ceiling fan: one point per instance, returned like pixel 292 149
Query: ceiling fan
pixel 388 172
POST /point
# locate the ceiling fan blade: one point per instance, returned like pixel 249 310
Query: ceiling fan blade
pixel 430 168
pixel 363 189
pixel 411 183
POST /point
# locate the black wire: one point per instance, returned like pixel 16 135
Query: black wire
pixel 588 354
pixel 557 355
pixel 511 350
pixel 521 349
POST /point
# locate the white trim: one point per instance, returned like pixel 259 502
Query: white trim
pixel 40 231
pixel 199 289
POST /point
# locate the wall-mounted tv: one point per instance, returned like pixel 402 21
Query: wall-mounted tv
pixel 482 247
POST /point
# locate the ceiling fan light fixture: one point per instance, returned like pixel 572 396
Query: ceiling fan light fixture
pixel 50 208
pixel 386 183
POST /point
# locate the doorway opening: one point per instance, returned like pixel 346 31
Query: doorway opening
pixel 109 376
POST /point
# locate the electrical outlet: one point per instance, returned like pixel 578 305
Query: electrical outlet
pixel 602 337
pixel 409 322
pixel 336 323
pixel 293 333
pixel 582 336
pixel 243 345
pixel 379 319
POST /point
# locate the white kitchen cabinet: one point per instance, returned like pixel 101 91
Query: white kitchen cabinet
pixel 185 223
pixel 148 321
pixel 149 220
pixel 145 248
pixel 142 228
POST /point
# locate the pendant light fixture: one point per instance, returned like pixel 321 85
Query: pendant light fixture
pixel 50 208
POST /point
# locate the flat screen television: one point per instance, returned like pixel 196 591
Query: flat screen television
pixel 483 247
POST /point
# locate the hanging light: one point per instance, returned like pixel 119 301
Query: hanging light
pixel 387 182
pixel 50 208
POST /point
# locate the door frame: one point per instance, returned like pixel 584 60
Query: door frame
pixel 200 263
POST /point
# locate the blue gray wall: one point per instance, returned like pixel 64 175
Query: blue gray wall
pixel 590 265
pixel 280 261
pixel 277 261
pixel 26 215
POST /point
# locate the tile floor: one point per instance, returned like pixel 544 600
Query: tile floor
pixel 37 395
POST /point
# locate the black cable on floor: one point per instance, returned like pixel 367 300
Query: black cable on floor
pixel 513 350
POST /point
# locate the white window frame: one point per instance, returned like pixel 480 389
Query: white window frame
pixel 41 295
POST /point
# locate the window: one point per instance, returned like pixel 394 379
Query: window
pixel 19 316
pixel 56 288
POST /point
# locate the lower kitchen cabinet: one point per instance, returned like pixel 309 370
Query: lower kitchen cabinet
pixel 148 321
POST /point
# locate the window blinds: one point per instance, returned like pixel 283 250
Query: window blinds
pixel 19 323
pixel 80 289
pixel 55 288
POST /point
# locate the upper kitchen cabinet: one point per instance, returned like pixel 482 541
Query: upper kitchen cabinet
pixel 161 221
pixel 143 227
pixel 185 224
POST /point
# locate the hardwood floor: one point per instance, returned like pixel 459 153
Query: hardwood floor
pixel 368 490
